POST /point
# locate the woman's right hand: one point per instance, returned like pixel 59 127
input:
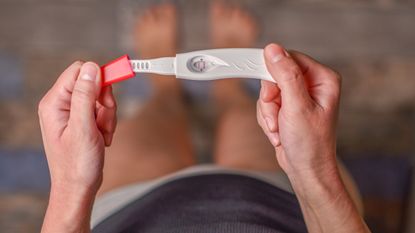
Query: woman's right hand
pixel 299 113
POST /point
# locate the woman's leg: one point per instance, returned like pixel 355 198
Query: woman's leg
pixel 240 142
pixel 155 142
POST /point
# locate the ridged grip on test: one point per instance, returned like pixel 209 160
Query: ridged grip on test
pixel 116 71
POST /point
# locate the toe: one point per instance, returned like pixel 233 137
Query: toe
pixel 170 10
pixel 237 11
pixel 146 15
pixel 153 12
pixel 166 10
pixel 169 7
pixel 216 8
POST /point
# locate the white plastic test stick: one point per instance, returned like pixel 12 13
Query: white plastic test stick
pixel 209 65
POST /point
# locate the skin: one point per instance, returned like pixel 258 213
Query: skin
pixel 154 141
pixel 77 119
pixel 297 118
pixel 233 27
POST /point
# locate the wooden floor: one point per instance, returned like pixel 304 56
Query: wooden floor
pixel 371 43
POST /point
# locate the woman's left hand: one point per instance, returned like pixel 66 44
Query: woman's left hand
pixel 77 119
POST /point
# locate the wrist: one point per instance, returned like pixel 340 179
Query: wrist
pixel 317 184
pixel 314 163
pixel 68 210
pixel 76 186
pixel 323 196
pixel 71 194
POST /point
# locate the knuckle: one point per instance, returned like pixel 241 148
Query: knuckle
pixel 337 80
pixel 291 73
pixel 258 112
pixel 112 104
pixel 92 63
pixel 43 104
pixel 63 92
pixel 78 62
pixel 305 111
pixel 336 75
pixel 83 89
pixel 260 123
pixel 40 109
pixel 334 79
pixel 333 74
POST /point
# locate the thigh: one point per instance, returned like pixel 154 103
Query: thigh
pixel 241 143
pixel 152 144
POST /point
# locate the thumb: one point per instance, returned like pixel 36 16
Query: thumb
pixel 288 76
pixel 85 94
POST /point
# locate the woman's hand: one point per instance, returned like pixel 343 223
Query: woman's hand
pixel 299 114
pixel 77 119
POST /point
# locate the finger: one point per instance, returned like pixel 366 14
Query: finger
pixel 106 123
pixel 106 114
pixel 307 64
pixel 260 119
pixel 84 96
pixel 108 139
pixel 59 96
pixel 269 91
pixel 55 105
pixel 269 112
pixel 217 7
pixel 288 76
pixel 273 137
pixel 168 9
pixel 324 83
pixel 66 80
pixel 270 104
pixel 107 98
pixel 153 13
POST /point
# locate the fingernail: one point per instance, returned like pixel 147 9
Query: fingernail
pixel 89 72
pixel 270 123
pixel 275 53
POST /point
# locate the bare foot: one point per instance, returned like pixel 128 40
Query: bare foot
pixel 231 26
pixel 156 36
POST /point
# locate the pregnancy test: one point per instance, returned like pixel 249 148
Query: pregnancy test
pixel 200 65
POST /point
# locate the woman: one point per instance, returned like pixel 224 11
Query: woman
pixel 149 181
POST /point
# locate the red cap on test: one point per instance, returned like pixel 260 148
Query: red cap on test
pixel 116 71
